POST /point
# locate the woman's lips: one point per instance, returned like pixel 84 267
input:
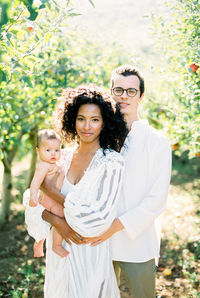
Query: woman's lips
pixel 86 134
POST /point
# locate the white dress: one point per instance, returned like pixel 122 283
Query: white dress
pixel 90 207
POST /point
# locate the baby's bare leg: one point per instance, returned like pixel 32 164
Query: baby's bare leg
pixel 38 249
pixel 57 245
pixel 57 209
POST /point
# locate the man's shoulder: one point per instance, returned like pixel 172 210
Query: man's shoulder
pixel 157 138
pixel 142 130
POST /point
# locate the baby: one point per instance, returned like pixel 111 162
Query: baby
pixel 49 152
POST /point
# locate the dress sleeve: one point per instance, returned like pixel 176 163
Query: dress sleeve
pixel 36 226
pixel 91 209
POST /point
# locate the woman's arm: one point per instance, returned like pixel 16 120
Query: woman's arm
pixel 62 227
pixel 49 187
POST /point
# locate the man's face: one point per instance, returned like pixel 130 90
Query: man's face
pixel 128 105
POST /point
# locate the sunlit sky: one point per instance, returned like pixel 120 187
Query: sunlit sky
pixel 125 21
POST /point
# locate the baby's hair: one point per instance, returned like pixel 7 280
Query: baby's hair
pixel 47 134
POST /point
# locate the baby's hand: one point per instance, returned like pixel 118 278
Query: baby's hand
pixel 33 203
pixel 54 170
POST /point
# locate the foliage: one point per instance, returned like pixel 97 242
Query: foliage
pixel 37 59
pixel 178 99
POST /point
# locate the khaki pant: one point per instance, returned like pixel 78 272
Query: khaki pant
pixel 140 277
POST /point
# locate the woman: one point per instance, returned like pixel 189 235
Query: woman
pixel 93 171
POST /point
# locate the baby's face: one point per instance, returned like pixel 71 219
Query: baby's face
pixel 49 150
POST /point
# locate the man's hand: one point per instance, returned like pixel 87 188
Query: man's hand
pixel 67 233
pixel 116 226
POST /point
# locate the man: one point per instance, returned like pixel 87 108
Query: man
pixel 135 233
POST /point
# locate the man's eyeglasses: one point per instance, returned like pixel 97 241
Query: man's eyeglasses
pixel 118 91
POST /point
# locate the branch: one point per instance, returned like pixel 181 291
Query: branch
pixel 16 20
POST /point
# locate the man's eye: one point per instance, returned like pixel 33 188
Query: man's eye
pixel 132 91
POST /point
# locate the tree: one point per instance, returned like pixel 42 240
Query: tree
pixel 38 60
pixel 27 93
pixel 178 98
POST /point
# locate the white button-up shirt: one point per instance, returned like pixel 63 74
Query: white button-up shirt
pixel 144 193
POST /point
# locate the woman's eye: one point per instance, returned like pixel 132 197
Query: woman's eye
pixel 79 119
pixel 95 120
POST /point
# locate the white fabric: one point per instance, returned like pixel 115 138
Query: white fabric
pixel 36 226
pixel 90 208
pixel 143 195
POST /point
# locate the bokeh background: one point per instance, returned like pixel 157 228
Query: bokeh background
pixel 48 45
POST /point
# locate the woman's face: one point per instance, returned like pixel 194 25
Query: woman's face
pixel 89 123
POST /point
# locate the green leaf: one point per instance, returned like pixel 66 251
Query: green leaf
pixel 92 3
pixel 5 12
pixel 2 76
pixel 27 80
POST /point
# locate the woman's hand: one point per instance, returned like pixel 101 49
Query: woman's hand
pixel 66 232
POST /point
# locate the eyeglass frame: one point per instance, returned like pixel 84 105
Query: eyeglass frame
pixel 125 90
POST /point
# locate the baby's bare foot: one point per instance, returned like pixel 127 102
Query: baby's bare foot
pixel 59 250
pixel 38 250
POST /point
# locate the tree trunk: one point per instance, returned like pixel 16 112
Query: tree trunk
pixel 6 194
pixel 7 181
pixel 33 141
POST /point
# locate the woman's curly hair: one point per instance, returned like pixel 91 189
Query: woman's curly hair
pixel 114 129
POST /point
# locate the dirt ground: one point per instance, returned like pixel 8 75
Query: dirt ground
pixel 179 268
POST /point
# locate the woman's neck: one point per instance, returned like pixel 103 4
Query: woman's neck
pixel 88 148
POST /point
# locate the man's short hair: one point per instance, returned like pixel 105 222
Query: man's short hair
pixel 47 134
pixel 128 70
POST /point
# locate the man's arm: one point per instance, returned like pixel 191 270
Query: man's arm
pixel 62 227
pixel 137 219
pixel 115 227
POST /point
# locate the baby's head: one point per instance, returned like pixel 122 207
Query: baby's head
pixel 48 146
